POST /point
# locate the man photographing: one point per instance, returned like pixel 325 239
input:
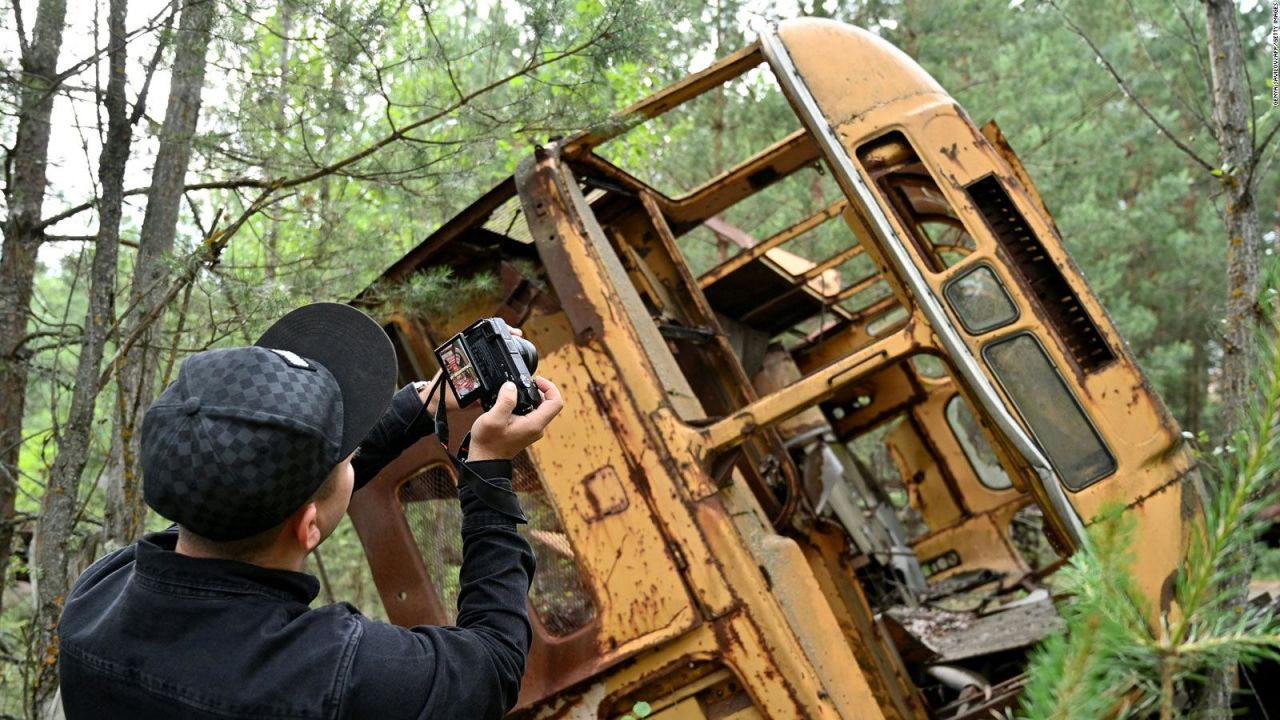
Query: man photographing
pixel 254 453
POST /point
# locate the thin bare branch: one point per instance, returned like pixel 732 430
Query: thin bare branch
pixel 210 250
pixel 444 55
pixel 1128 91
pixel 335 168
pixel 1196 44
pixel 18 26
pixel 140 105
pixel 399 133
pixel 1155 67
pixel 167 375
pixel 97 54
pixel 1261 163
pixel 1260 147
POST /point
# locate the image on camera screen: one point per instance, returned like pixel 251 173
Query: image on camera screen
pixel 462 375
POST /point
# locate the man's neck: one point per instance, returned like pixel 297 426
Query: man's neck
pixel 276 556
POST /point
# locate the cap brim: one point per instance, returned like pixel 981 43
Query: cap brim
pixel 354 348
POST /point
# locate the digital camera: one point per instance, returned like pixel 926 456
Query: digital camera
pixel 478 360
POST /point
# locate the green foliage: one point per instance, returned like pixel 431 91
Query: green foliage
pixel 433 292
pixel 1111 660
pixel 1268 564
pixel 1106 650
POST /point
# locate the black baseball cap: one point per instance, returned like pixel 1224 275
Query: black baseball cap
pixel 246 435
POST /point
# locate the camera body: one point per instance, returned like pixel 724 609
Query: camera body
pixel 478 360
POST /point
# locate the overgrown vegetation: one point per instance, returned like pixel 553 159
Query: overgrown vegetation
pixel 1121 657
pixel 432 291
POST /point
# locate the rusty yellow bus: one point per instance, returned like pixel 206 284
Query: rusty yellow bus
pixel 816 461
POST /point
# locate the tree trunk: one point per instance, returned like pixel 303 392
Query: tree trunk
pixel 1231 112
pixel 24 195
pixel 125 512
pixel 284 12
pixel 56 537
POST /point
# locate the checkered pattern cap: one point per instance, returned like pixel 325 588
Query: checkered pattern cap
pixel 241 440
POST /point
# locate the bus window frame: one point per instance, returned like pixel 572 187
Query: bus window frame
pixel 1093 427
pixel 856 184
pixel 964 272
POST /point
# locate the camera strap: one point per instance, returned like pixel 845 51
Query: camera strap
pixel 497 497
pixel 442 420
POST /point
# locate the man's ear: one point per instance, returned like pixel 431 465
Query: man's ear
pixel 306 529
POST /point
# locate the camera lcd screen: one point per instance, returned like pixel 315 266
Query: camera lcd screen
pixel 458 367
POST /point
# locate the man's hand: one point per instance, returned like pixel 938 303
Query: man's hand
pixel 501 435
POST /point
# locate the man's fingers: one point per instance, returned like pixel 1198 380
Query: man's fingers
pixel 517 332
pixel 551 404
pixel 548 388
pixel 424 386
pixel 499 434
pixel 505 402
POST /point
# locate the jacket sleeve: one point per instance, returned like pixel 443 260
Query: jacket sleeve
pixel 405 422
pixel 471 670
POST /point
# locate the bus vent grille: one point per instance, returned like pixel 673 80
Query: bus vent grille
pixel 1060 305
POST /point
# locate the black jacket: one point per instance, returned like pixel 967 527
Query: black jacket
pixel 149 633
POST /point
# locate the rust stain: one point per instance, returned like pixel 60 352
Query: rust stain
pixel 642 499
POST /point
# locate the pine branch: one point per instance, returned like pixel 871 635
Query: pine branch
pixel 1108 648
pixel 1110 663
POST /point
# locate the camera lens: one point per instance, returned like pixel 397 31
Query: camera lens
pixel 528 353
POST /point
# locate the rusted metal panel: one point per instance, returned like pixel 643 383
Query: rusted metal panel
pixel 551 247
pixel 877 397
pixel 1130 417
pixel 926 482
pixel 931 411
pixel 830 558
pixel 397 568
pixel 718 586
pixel 817 386
pixel 811 667
pixel 991 131
pixel 980 544
pixel 642 597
